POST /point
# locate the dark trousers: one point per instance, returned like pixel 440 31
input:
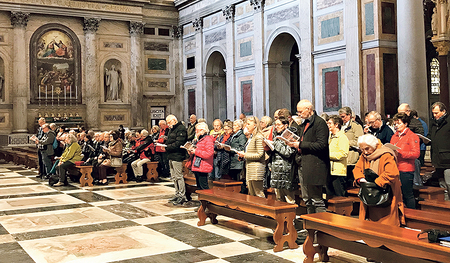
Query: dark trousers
pixel 47 161
pixel 336 185
pixel 407 179
pixel 42 171
pixel 66 167
pixel 201 180
pixel 163 164
pixel 422 157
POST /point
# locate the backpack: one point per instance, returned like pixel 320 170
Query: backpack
pixel 55 144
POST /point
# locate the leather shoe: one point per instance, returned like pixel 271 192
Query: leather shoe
pixel 179 201
pixel 58 184
pixel 175 198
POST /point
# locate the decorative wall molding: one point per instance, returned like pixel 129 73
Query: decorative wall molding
pixel 198 24
pixel 136 28
pixel 19 19
pixel 90 25
pixel 258 5
pixel 228 12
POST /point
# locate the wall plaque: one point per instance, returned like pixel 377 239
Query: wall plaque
pixel 247 97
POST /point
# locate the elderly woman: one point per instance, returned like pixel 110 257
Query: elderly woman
pixel 203 154
pixel 339 147
pixel 409 151
pixel 381 160
pixel 71 154
pixel 155 132
pixel 282 165
pixel 114 150
pixel 237 142
pixel 266 126
pixel 223 157
pixel 254 158
pixel 145 150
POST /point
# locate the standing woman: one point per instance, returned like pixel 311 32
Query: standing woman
pixel 254 158
pixel 223 157
pixel 409 151
pixel 202 163
pixel 381 160
pixel 238 141
pixel 282 165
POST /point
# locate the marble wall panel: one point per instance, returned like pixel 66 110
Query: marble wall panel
pixel 215 36
pixel 331 82
pixel 321 4
pixel 388 18
pixel 157 85
pixel 156 46
pixel 247 97
pixel 113 117
pixel 283 15
pixel 369 19
pixel 4 37
pixel 191 100
pixel 206 22
pixel 330 28
pixel 157 64
pixel 189 45
pixel 371 82
pixel 245 49
pixel 244 43
pixel 244 27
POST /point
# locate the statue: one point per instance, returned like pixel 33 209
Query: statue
pixel 113 81
pixel 2 83
pixel 434 22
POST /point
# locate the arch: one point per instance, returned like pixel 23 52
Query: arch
pixel 215 87
pixel 7 73
pixel 281 30
pixel 211 51
pixel 66 60
pixel 123 91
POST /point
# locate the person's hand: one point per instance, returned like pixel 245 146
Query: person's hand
pixel 192 151
pixel 362 180
pixel 366 129
pixel 293 144
pixel 59 164
pixel 36 141
pixel 241 154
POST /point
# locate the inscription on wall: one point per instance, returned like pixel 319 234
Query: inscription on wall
pixel 118 117
pixel 283 15
pixel 216 36
pixel 245 49
pixel 156 64
pixel 154 46
pixel 112 45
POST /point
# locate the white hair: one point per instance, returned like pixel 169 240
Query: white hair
pixel 202 126
pixel 144 133
pixel 368 139
pixel 239 122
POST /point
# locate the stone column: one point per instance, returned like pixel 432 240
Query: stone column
pixel 412 73
pixel 136 30
pixel 443 48
pixel 92 98
pixel 200 97
pixel 306 48
pixel 258 48
pixel 181 108
pixel 228 12
pixel 19 21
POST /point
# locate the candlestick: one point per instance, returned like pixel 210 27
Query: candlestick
pixel 52 95
pixel 65 96
pixel 46 95
pixel 39 90
pixel 76 93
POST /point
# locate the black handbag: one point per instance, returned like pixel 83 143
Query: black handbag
pixel 373 195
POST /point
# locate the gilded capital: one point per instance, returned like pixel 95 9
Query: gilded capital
pixel 442 46
pixel 19 19
pixel 91 24
pixel 136 28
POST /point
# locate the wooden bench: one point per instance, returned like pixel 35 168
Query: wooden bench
pixel 86 177
pixel 190 184
pixel 121 175
pixel 381 242
pixel 228 185
pixel 419 219
pixel 442 207
pixel 152 171
pixel 261 211
pixel 431 193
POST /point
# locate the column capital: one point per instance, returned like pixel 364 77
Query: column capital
pixel 228 12
pixel 19 19
pixel 177 31
pixel 299 57
pixel 198 24
pixel 442 46
pixel 258 5
pixel 136 28
pixel 90 24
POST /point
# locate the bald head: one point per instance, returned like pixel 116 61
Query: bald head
pixel 404 108
pixel 305 109
pixel 171 120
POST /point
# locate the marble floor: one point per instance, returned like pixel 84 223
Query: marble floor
pixel 122 223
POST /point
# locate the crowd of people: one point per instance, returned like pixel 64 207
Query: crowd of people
pixel 322 154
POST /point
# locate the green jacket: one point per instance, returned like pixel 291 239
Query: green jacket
pixel 72 153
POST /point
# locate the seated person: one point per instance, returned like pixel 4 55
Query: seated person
pixel 145 151
pixel 114 150
pixel 71 154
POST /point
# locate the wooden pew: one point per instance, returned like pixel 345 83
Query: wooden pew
pixel 190 184
pixel 228 185
pixel 419 219
pixel 121 175
pixel 152 172
pixel 381 242
pixel 431 193
pixel 86 177
pixel 261 211
pixel 442 207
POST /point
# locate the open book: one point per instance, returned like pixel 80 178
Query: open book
pixel 160 144
pixel 393 147
pixel 188 146
pixel 425 140
pixel 226 147
pixel 269 143
pixel 34 138
pixel 288 136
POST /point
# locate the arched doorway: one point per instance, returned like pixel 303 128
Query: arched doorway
pixel 216 88
pixel 283 74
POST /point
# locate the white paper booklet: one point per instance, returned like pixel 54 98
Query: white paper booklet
pixel 289 136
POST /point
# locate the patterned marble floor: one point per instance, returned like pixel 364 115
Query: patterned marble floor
pixel 124 223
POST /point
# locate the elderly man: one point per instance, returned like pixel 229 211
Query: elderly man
pixel 378 128
pixel 176 137
pixel 191 127
pixel 415 125
pixel 315 164
pixel 440 145
pixel 45 145
pixel 39 135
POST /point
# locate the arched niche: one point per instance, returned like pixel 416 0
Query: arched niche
pixel 113 81
pixel 2 80
pixel 55 65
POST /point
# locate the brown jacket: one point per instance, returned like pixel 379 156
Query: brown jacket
pixel 387 174
pixel 254 158
pixel 353 131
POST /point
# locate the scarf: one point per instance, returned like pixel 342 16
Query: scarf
pixel 374 158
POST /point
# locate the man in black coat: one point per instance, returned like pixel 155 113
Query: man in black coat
pixel 440 144
pixel 315 157
pixel 378 128
pixel 45 145
pixel 176 137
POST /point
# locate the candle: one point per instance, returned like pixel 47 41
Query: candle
pixel 39 90
pixel 46 93
pixel 70 92
pixel 76 93
pixel 52 95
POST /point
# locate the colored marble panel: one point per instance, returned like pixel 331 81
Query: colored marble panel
pixel 388 22
pixel 331 89
pixel 390 73
pixel 155 46
pixel 321 4
pixel 112 45
pixel 371 83
pixel 191 101
pixel 215 36
pixel 247 97
pixel 156 64
pixel 245 49
pixel 369 16
pixel 283 15
pixel 330 27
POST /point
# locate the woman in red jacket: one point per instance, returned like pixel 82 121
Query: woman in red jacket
pixel 202 163
pixel 409 151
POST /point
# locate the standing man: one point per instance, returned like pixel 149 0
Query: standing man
pixel 45 145
pixel 39 135
pixel 440 145
pixel 191 127
pixel 415 125
pixel 378 128
pixel 315 163
pixel 176 137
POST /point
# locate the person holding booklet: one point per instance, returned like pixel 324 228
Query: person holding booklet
pixel 202 161
pixel 237 141
pixel 222 148
pixel 409 150
pixel 282 165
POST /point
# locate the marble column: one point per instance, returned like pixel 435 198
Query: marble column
pixel 443 47
pixel 200 97
pixel 136 30
pixel 181 108
pixel 92 97
pixel 306 68
pixel 19 21
pixel 259 93
pixel 412 73
pixel 228 12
